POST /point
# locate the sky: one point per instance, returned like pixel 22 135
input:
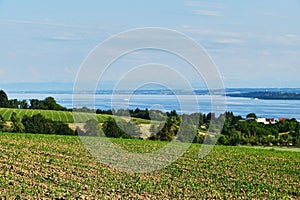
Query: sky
pixel 253 43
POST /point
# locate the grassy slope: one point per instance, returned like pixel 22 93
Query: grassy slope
pixel 63 116
pixel 36 166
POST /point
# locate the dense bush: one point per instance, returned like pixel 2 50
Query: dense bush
pixel 39 124
pixel 120 129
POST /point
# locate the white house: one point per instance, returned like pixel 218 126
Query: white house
pixel 266 120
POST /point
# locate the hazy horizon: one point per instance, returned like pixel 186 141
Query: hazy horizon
pixel 68 86
pixel 254 44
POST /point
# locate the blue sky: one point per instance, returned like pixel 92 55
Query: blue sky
pixel 253 43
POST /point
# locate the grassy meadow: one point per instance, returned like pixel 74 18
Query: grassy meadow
pixel 50 166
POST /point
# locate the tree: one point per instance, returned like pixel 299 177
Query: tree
pixel 79 131
pixel 199 138
pixel 128 128
pixel 14 117
pixel 36 124
pixel 251 115
pixel 50 104
pixel 188 128
pixel 3 99
pixel 222 140
pixel 211 116
pixel 235 138
pixel 23 104
pixel 112 129
pixel 2 124
pixel 62 129
pixel 297 139
pixel 92 128
pixel 186 132
pixel 169 129
pixel 35 104
pixel 17 125
pixel 39 124
pixel 13 103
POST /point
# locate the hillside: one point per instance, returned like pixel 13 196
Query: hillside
pixel 62 116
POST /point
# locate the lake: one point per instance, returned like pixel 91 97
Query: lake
pixel 180 103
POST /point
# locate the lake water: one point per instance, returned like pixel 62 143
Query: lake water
pixel 180 103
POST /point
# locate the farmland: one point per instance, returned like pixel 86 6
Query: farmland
pixel 62 116
pixel 48 166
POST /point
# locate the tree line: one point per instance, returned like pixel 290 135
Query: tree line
pixel 49 103
pixel 34 124
pixel 187 128
pixel 250 132
pixel 196 127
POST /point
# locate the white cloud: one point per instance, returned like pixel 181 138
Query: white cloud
pixel 211 32
pixel 46 22
pixel 230 41
pixel 204 4
pixel 88 29
pixel 288 39
pixel 210 13
pixel 292 36
pixel 209 9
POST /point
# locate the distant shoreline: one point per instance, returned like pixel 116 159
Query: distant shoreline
pixel 268 95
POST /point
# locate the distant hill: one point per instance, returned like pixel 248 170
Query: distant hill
pixel 268 95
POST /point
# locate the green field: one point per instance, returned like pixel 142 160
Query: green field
pixel 48 166
pixel 63 116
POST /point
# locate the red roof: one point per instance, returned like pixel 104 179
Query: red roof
pixel 283 119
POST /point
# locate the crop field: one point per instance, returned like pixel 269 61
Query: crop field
pixel 63 116
pixel 59 167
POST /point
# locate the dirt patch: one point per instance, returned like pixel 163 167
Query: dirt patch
pixel 74 126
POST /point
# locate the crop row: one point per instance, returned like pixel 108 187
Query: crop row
pixel 60 167
pixel 63 116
